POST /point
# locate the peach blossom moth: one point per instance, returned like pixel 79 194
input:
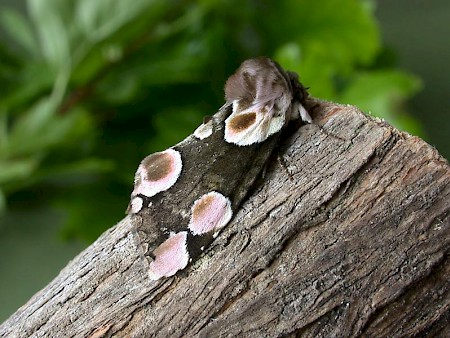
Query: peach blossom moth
pixel 185 195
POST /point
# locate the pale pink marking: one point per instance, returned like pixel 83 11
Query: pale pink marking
pixel 151 188
pixel 264 126
pixel 170 256
pixel 136 205
pixel 204 130
pixel 210 212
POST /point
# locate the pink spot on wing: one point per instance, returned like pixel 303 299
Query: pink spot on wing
pixel 170 256
pixel 252 125
pixel 204 130
pixel 157 172
pixel 210 212
pixel 136 205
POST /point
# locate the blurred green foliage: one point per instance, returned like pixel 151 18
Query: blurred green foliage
pixel 91 87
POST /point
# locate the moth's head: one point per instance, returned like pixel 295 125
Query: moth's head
pixel 264 99
pixel 242 84
pixel 262 79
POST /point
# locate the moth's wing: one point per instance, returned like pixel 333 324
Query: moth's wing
pixel 165 255
pixel 256 123
pixel 146 235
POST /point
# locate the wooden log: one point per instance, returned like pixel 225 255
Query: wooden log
pixel 349 237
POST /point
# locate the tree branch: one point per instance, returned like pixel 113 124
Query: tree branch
pixel 353 241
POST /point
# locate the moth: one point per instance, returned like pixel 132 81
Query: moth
pixel 185 195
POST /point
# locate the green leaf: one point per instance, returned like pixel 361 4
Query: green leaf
pixel 101 18
pixel 68 170
pixel 320 81
pixel 173 125
pixel 28 132
pixel 382 93
pixel 3 132
pixel 15 170
pixel 2 202
pixel 40 128
pixel 19 29
pixel 52 31
pixel 332 37
pixel 90 212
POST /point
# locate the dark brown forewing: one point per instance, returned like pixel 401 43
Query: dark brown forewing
pixel 208 165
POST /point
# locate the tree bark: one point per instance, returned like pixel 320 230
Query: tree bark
pixel 348 237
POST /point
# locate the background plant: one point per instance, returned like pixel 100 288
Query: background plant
pixel 91 87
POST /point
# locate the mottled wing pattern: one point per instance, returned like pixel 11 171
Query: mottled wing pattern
pixel 185 195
